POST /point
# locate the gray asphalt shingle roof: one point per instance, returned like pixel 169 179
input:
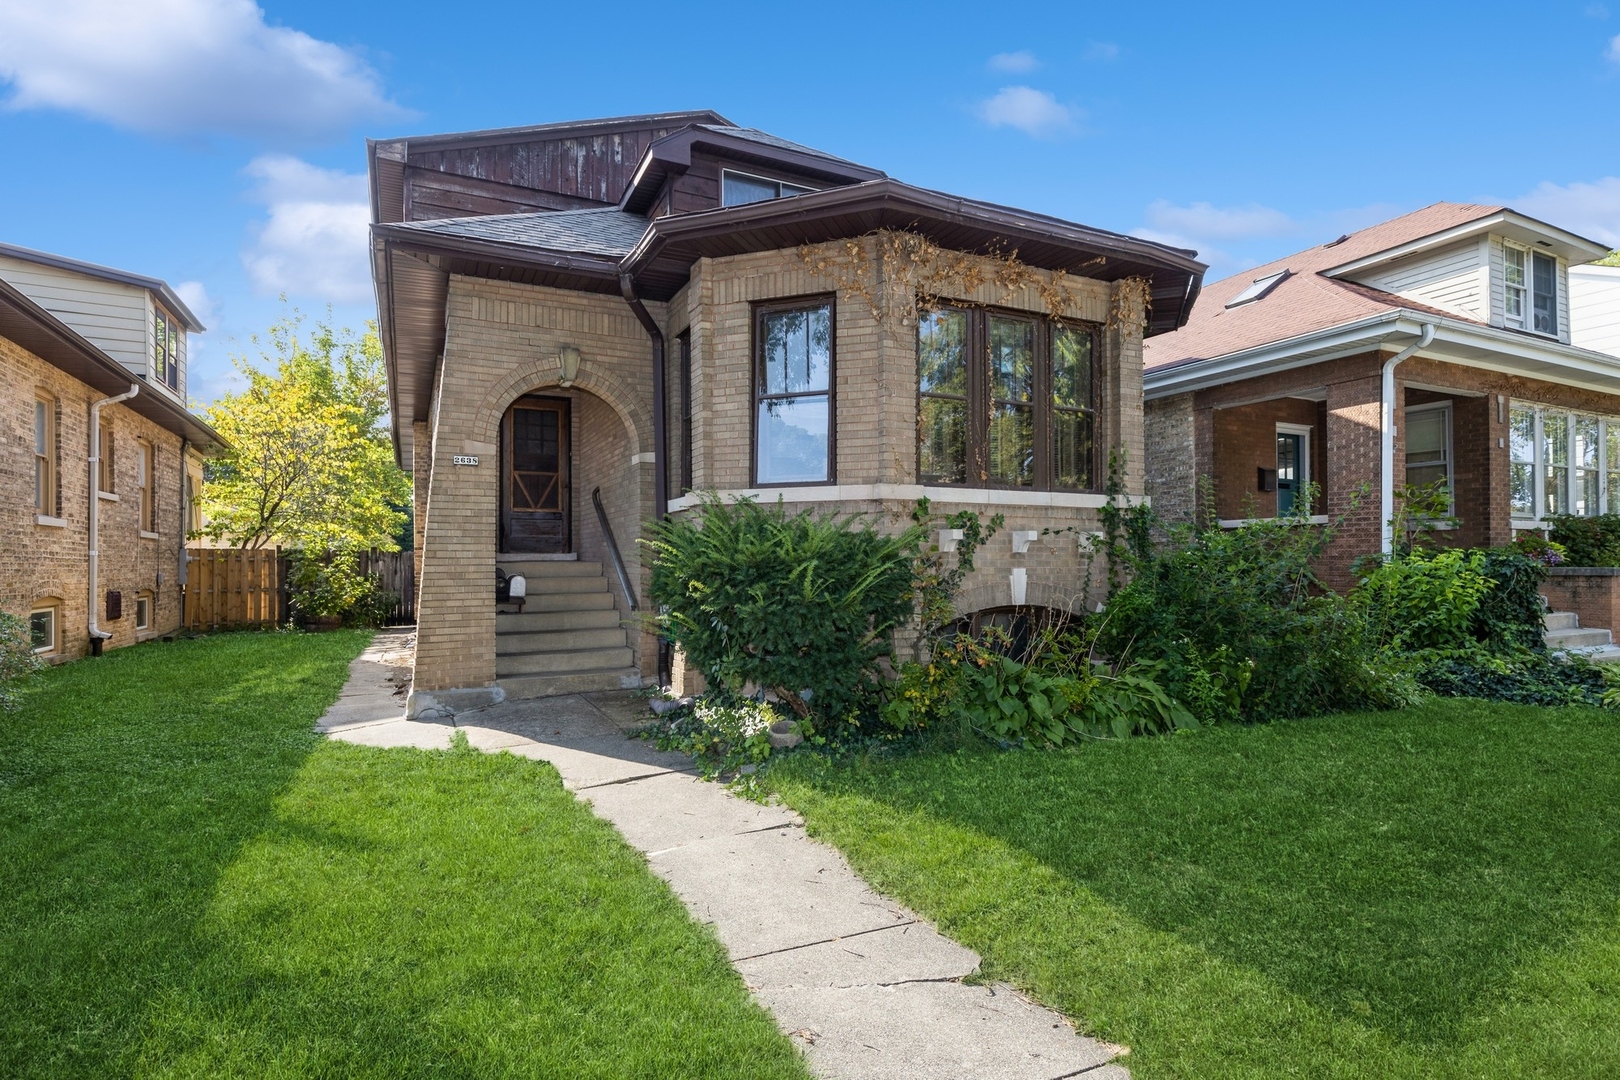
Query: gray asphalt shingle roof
pixel 607 231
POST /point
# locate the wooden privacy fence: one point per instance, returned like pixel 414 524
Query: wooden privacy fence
pixel 232 587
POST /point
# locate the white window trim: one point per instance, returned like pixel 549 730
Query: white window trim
pixel 804 189
pixel 1304 431
pixel 143 600
pixel 1527 321
pixel 1538 466
pixel 1451 455
pixel 55 612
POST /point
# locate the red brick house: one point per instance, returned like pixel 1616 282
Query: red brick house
pixel 1435 346
pixel 584 323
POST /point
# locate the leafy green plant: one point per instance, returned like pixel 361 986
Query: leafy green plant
pixel 331 586
pixel 1510 613
pixel 1587 541
pixel 723 732
pixel 18 662
pixel 1510 674
pixel 937 577
pixel 1424 599
pixel 760 599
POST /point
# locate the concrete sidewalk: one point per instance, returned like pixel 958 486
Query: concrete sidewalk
pixel 865 986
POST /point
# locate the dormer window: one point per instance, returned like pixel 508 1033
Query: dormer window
pixel 1530 282
pixel 740 189
pixel 1257 289
pixel 166 348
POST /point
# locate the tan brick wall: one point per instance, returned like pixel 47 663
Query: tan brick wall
pixel 39 561
pixel 502 341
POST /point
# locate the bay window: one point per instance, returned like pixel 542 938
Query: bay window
pixel 1562 462
pixel 793 381
pixel 1004 400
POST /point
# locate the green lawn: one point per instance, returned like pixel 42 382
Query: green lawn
pixel 192 884
pixel 1434 892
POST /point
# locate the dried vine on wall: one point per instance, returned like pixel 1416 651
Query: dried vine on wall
pixel 913 275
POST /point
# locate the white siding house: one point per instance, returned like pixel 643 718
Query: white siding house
pixel 117 311
pixel 1594 299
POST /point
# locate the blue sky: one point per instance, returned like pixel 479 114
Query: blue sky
pixel 220 145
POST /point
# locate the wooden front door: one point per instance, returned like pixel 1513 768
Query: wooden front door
pixel 536 506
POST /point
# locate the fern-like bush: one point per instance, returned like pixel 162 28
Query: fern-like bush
pixel 801 605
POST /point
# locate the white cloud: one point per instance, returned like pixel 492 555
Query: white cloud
pixel 1613 51
pixel 1217 222
pixel 1015 62
pixel 1102 52
pixel 1034 112
pixel 183 67
pixel 1596 11
pixel 313 243
pixel 1590 209
pixel 195 296
pixel 1232 238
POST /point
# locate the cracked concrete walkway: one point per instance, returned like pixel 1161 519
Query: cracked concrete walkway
pixel 869 990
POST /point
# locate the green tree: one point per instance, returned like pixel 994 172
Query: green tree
pixel 1612 259
pixel 310 465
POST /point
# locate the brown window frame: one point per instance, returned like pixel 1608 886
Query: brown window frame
pixel 146 484
pixel 777 306
pixel 980 405
pixel 166 331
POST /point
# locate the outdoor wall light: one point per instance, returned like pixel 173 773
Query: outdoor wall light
pixel 568 358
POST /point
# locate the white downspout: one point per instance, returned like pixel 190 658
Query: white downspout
pixel 98 635
pixel 1387 396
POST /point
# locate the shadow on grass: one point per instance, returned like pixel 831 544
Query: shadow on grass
pixel 128 784
pixel 1402 872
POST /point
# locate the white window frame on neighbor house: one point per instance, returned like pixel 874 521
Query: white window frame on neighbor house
pixel 54 612
pixel 1525 290
pixel 1607 463
pixel 1448 458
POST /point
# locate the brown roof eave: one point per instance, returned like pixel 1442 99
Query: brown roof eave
pixel 41 333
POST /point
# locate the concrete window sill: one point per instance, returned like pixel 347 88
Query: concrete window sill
pixel 150 535
pixel 109 496
pixel 52 522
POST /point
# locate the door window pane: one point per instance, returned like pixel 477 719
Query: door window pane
pixel 1288 472
pixel 793 440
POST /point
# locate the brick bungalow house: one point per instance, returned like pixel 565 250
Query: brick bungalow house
pixel 585 322
pixel 1435 346
pixel 93 547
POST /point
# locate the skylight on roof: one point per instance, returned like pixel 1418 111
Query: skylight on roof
pixel 1259 288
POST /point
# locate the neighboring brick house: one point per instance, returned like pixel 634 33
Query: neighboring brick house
pixel 1435 346
pixel 73 335
pixel 632 310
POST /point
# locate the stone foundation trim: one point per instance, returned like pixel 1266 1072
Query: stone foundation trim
pixel 911 493
pixel 443 704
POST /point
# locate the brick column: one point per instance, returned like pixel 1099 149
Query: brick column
pixel 1170 457
pixel 1354 474
pixel 1122 390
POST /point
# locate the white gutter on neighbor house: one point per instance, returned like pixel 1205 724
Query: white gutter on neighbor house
pixel 1387 418
pixel 98 635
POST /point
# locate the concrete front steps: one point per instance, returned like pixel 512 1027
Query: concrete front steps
pixel 1564 634
pixel 568 639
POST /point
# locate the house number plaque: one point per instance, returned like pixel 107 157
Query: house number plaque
pixel 464 459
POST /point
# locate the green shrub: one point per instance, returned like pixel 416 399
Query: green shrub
pixel 755 597
pixel 18 660
pixel 332 586
pixel 1508 674
pixel 1587 541
pixel 1510 613
pixel 1424 599
pixel 1235 619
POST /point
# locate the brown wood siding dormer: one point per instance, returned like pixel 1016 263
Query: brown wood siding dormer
pixel 699 187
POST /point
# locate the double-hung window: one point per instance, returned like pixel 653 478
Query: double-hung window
pixel 105 472
pixel 793 393
pixel 166 348
pixel 1562 462
pixel 1428 446
pixel 44 456
pixel 143 485
pixel 1004 400
pixel 1530 286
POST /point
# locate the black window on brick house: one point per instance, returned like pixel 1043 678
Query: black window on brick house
pixel 1005 400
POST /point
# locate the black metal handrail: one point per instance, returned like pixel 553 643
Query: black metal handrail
pixel 613 550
